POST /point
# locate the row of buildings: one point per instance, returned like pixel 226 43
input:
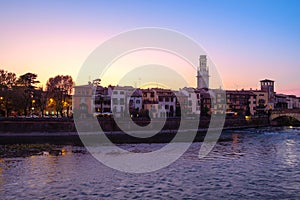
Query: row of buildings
pixel 159 103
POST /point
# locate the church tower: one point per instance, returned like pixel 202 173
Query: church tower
pixel 202 73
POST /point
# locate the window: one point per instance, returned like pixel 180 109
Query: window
pixel 115 101
pixel 261 101
pixel 115 92
pixel 122 101
pixel 171 108
pixel 83 107
pixel 82 100
pixel 122 92
pixel 138 101
pixel 166 107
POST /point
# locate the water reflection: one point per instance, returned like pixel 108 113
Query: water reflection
pixel 47 168
pixel 255 164
pixel 289 152
pixel 236 147
pixel 1 176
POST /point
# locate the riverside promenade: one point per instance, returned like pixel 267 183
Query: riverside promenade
pixel 63 131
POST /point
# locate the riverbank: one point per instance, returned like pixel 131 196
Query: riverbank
pixel 55 144
pixel 54 125
pixel 63 131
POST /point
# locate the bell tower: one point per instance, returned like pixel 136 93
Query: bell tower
pixel 268 87
pixel 202 73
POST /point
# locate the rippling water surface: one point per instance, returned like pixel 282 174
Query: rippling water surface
pixel 256 164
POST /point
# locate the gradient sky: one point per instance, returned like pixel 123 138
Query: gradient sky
pixel 248 40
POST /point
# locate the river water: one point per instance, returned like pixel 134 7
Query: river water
pixel 256 164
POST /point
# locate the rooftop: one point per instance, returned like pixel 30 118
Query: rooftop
pixel 267 80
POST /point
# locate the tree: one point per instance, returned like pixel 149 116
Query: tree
pixel 40 100
pixel 60 89
pixel 6 105
pixel 18 98
pixel 7 81
pixel 26 82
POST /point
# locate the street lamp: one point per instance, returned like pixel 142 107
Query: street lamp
pixel 32 107
pixel 1 99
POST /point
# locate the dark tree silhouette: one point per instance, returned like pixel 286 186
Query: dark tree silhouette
pixel 7 81
pixel 60 89
pixel 26 82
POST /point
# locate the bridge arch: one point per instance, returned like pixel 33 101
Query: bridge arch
pixel 292 115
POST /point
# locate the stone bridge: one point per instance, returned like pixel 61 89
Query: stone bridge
pixel 294 113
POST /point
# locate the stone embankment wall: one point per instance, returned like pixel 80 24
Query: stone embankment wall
pixel 20 125
pixel 63 131
pixel 109 125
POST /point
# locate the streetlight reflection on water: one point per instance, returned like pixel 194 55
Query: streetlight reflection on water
pixel 289 152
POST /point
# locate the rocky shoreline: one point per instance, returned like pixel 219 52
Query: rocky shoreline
pixel 26 150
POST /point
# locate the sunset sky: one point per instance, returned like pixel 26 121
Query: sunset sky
pixel 247 40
